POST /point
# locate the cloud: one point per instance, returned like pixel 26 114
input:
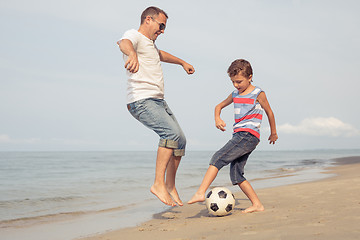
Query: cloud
pixel 6 139
pixel 331 127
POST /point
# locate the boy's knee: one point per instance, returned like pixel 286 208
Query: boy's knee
pixel 217 162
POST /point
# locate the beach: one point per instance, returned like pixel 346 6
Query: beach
pixel 322 209
pixel 74 195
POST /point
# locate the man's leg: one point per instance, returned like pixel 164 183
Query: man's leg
pixel 159 187
pixel 170 178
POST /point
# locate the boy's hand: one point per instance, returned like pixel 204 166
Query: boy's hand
pixel 220 124
pixel 273 137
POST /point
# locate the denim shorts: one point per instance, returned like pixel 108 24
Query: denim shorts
pixel 156 115
pixel 235 152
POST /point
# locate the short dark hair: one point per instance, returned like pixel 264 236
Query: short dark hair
pixel 240 66
pixel 151 11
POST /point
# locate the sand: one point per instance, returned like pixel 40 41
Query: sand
pixel 326 209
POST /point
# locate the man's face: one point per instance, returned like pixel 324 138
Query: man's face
pixel 155 24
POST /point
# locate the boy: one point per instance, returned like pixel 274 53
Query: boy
pixel 249 103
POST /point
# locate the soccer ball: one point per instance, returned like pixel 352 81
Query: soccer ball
pixel 220 201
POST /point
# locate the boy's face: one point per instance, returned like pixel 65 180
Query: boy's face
pixel 240 82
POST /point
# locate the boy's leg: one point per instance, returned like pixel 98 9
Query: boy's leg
pixel 227 154
pixel 250 193
pixel 209 177
pixel 159 187
pixel 170 178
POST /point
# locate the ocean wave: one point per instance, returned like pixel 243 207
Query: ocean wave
pixel 308 162
pixel 6 203
pixel 282 170
pixel 28 221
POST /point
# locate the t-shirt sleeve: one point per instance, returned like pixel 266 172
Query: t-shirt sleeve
pixel 132 36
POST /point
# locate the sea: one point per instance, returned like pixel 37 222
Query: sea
pixel 68 195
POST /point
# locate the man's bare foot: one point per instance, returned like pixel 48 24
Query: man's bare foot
pixel 253 208
pixel 197 198
pixel 174 194
pixel 163 195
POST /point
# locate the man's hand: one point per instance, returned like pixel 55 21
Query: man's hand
pixel 188 68
pixel 127 48
pixel 132 63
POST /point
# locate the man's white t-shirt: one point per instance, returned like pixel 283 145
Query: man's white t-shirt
pixel 148 82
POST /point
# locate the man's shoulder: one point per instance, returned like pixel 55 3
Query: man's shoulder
pixel 130 34
pixel 132 31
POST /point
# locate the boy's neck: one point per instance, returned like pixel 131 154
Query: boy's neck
pixel 248 90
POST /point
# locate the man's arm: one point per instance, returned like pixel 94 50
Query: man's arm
pixel 127 48
pixel 167 57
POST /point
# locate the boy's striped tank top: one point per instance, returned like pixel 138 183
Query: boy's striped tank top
pixel 248 113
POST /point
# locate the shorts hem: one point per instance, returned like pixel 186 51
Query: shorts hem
pixel 168 143
pixel 179 152
pixel 238 182
pixel 213 164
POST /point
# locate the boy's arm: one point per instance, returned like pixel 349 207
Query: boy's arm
pixel 219 123
pixel 127 48
pixel 266 106
pixel 167 57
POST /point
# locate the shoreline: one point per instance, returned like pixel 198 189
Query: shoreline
pixel 309 209
pixel 94 225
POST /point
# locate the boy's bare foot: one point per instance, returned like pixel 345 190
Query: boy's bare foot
pixel 253 208
pixel 197 198
pixel 174 194
pixel 162 195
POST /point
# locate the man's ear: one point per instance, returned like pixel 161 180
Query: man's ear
pixel 147 19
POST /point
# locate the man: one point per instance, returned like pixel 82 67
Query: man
pixel 145 98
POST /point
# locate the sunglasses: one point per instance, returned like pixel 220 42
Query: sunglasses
pixel 162 26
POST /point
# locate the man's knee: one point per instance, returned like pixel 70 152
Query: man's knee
pixel 182 141
pixel 179 137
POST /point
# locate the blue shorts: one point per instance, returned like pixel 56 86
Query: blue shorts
pixel 235 152
pixel 156 115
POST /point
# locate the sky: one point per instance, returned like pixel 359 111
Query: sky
pixel 62 76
